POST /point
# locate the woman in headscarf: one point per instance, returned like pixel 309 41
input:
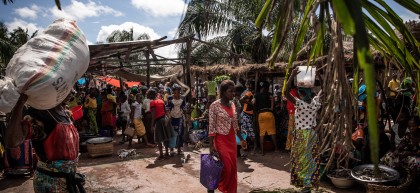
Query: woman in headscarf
pixel 304 155
pixel 223 125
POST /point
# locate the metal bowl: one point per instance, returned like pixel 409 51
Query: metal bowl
pixel 341 182
pixel 99 140
pixel 391 173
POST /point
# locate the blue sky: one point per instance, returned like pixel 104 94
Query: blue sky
pixel 99 18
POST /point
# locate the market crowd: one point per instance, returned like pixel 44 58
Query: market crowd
pixel 242 118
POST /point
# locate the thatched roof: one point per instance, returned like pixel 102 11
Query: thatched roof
pixel 280 68
pixel 237 70
pixel 245 69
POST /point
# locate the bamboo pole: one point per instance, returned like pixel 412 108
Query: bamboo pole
pixel 148 69
pixel 188 68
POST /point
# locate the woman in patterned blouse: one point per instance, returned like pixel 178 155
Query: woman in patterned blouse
pixel 223 125
pixel 304 157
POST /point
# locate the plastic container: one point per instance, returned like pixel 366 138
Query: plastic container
pixel 238 141
pixel 306 77
pixel 77 112
pixel 195 125
pixel 342 183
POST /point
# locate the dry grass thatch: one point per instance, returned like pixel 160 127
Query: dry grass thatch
pixel 237 70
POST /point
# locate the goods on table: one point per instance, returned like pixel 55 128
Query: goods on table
pixel 46 67
pixel 100 146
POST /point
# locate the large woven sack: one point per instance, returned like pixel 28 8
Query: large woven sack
pixel 46 67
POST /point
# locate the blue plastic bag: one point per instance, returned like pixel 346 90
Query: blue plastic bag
pixel 238 141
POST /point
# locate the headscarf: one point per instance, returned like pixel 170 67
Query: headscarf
pixel 304 93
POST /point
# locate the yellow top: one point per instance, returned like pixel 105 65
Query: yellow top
pixel 394 86
pixel 165 97
pixel 90 103
pixel 112 98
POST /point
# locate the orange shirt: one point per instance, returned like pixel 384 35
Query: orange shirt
pixel 358 134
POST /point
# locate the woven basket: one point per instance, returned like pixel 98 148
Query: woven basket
pixel 103 149
pixel 402 188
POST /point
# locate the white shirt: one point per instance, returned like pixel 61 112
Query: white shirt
pixel 146 105
pixel 125 109
pixel 137 109
pixel 305 114
pixel 177 112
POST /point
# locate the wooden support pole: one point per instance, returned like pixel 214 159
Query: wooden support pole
pixel 148 69
pixel 256 82
pixel 121 66
pixel 188 66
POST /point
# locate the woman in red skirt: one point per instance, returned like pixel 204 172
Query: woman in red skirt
pixel 223 125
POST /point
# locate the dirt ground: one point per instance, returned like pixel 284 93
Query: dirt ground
pixel 141 173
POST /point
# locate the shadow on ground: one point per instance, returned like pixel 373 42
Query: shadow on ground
pixel 12 181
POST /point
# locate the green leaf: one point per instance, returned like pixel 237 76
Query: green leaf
pixel 411 5
pixel 58 4
pixel 263 14
pixel 343 14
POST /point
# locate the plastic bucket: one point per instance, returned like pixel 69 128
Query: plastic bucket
pixel 238 141
pixel 77 112
pixel 306 77
pixel 195 125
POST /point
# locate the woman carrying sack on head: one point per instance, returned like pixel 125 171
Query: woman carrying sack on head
pixel 41 75
pixel 223 125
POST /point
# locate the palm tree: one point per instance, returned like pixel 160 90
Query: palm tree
pixel 19 36
pixel 11 41
pixel 123 36
pixel 6 47
pixel 370 23
pixel 233 17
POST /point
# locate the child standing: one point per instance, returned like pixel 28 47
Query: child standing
pixel 136 120
pixel 176 108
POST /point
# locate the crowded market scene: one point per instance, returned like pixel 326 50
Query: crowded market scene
pixel 230 96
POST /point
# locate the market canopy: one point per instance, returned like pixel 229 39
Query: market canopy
pixel 116 82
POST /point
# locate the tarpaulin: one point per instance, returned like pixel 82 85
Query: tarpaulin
pixel 116 82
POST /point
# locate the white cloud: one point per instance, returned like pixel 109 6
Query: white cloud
pixel 167 51
pixel 409 16
pixel 172 32
pixel 78 10
pixel 28 12
pixel 137 30
pixel 160 7
pixel 89 42
pixel 32 27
